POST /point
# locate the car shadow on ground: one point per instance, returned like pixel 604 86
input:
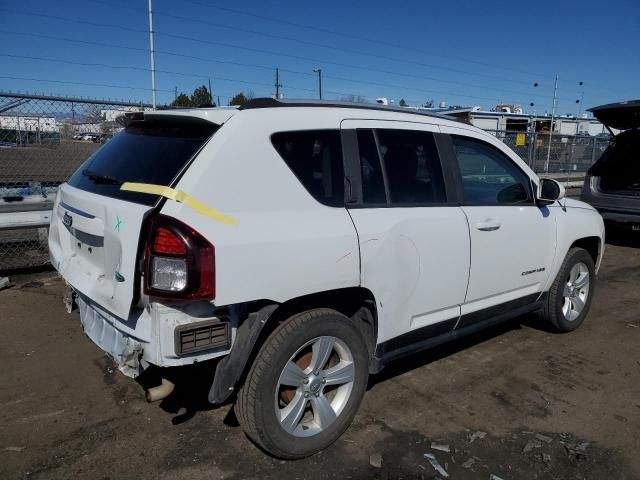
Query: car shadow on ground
pixel 425 357
pixel 622 237
pixel 192 383
pixel 190 394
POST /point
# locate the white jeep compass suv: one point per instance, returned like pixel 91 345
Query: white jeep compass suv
pixel 307 244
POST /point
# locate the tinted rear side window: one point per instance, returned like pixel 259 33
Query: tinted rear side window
pixel 412 165
pixel 146 152
pixel 315 157
pixel 372 180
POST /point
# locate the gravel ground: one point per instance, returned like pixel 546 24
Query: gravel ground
pixel 516 401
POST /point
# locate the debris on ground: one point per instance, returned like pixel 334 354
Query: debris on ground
pixel 375 460
pixel 478 434
pixel 441 447
pixel 469 463
pixel 546 459
pixel 436 465
pixel 13 449
pixel 4 282
pixel 494 477
pixel 531 444
pixel 543 438
pixel 579 450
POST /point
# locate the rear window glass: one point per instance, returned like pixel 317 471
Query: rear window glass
pixel 145 153
pixel 315 157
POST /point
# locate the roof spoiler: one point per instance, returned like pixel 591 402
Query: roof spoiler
pixel 130 118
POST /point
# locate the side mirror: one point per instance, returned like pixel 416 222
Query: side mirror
pixel 550 191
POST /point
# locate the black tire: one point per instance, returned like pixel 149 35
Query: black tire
pixel 255 405
pixel 552 310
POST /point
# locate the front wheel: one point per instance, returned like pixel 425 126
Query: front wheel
pixel 571 293
pixel 305 384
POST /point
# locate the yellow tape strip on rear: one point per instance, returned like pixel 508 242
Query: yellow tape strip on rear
pixel 180 197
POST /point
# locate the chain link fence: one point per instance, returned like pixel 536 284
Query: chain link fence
pixel 555 154
pixel 43 140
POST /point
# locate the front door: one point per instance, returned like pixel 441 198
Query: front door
pixel 512 239
pixel 414 245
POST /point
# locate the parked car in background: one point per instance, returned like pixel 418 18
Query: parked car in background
pixel 308 244
pixel 612 184
pixel 103 138
pixel 90 137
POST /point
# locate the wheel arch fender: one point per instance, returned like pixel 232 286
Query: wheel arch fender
pixel 356 303
pixel 577 227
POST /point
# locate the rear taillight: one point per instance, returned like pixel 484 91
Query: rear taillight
pixel 179 263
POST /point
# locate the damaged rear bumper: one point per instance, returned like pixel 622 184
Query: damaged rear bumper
pixel 123 348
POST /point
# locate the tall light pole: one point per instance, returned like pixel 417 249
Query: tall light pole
pixel 579 102
pixel 319 72
pixel 553 111
pixel 153 60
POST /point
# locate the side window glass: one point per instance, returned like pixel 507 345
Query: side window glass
pixel 315 157
pixel 489 177
pixel 412 167
pixel 372 180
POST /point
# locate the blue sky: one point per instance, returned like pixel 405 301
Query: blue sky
pixel 461 52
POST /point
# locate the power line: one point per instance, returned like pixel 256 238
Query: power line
pixel 361 38
pixel 77 83
pixel 334 48
pixel 264 67
pixel 233 80
pixel 67 19
pixel 144 69
pixel 298 57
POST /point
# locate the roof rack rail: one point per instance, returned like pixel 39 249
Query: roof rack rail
pixel 268 102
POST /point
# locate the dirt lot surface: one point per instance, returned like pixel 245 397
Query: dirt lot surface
pixel 517 401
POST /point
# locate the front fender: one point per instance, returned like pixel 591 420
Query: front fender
pixel 575 223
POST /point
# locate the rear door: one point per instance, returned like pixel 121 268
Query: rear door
pixel 414 244
pixel 512 239
pixel 95 230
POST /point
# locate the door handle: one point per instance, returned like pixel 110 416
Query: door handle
pixel 488 226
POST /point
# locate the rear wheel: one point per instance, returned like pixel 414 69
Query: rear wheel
pixel 570 294
pixel 305 385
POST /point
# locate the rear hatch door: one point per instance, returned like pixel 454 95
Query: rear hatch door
pixel 96 227
pixel 621 115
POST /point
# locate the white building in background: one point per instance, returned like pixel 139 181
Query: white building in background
pixel 28 123
pixel 516 121
pixel 110 115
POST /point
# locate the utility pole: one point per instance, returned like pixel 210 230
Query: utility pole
pixel 210 93
pixel 553 109
pixel 278 84
pixel 153 60
pixel 175 93
pixel 579 108
pixel 319 72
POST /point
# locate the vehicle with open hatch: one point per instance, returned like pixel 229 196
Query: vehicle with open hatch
pixel 305 245
pixel 612 184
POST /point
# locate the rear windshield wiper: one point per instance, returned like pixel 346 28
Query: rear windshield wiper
pixel 99 178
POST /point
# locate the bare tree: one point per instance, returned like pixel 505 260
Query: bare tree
pixel 93 114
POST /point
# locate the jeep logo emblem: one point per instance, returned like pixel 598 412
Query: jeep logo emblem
pixel 67 220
